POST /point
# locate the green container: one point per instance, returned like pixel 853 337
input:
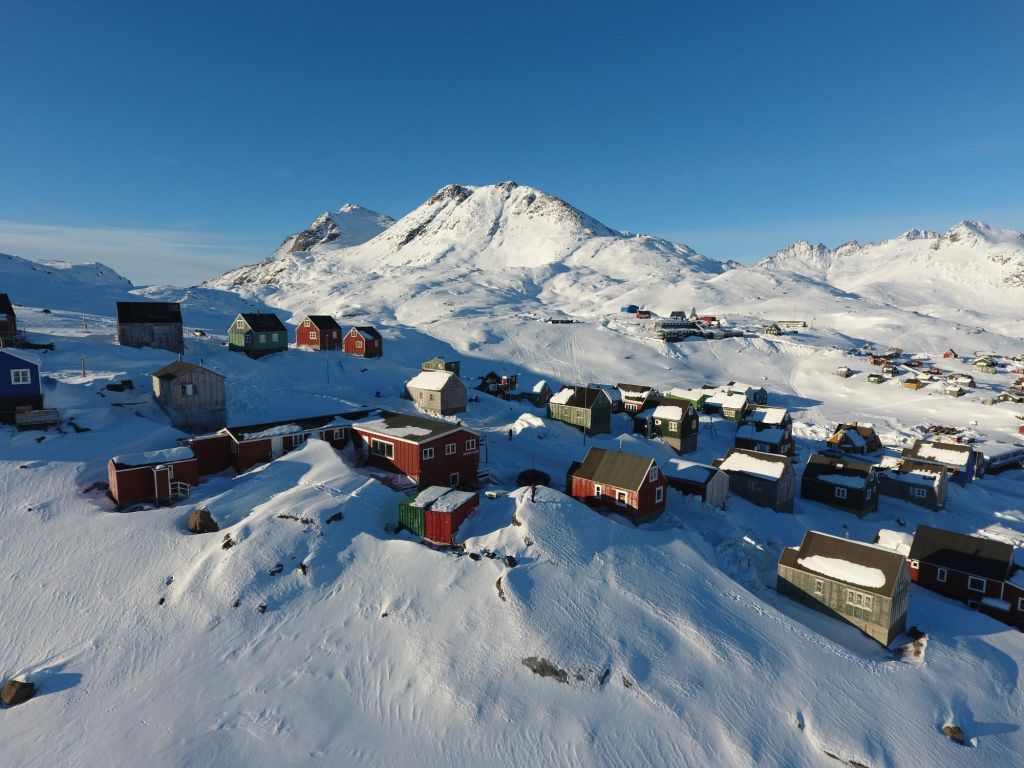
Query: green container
pixel 411 517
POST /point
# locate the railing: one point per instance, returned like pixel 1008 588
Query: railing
pixel 180 490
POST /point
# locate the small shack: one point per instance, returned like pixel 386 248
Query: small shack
pixel 440 364
pixel 193 397
pixel 155 324
pixel 855 438
pixel 709 483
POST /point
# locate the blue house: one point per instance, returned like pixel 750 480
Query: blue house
pixel 19 384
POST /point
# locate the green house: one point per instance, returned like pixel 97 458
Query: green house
pixel 695 397
pixel 257 334
pixel 440 364
pixel 587 408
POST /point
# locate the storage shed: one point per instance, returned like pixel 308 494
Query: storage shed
pixel 439 393
pixel 155 324
pixel 709 483
pixel 193 397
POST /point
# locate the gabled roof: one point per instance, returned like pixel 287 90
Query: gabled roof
pixel 368 332
pixel 634 391
pixel 129 312
pixel 987 558
pixel 865 567
pixel 5 305
pixel 578 397
pixel 672 412
pixel 955 455
pixel 323 322
pixel 690 471
pixel 837 470
pixel 180 368
pixel 766 414
pixel 614 468
pixel 22 355
pixel 766 466
pixel 432 381
pixel 413 429
pixel 262 321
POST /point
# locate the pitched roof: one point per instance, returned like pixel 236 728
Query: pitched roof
pixel 615 468
pixel 148 312
pixel 414 429
pixel 951 454
pixel 180 368
pixel 856 435
pixel 847 561
pixel 22 355
pixel 262 321
pixel 634 391
pixel 367 331
pixel 323 322
pixel 766 466
pixel 578 397
pixel 433 381
pixel 690 471
pixel 5 305
pixel 165 456
pixel 829 469
pixel 975 555
pixel 766 414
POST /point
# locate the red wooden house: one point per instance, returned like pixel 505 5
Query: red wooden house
pixel 1013 598
pixel 949 354
pixel 631 485
pixel 320 332
pixel 428 451
pixel 969 568
pixel 154 476
pixel 8 320
pixel 364 341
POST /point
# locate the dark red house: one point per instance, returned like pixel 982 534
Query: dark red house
pixel 8 320
pixel 320 332
pixel 631 485
pixel 154 476
pixel 364 341
pixel 428 451
pixel 968 568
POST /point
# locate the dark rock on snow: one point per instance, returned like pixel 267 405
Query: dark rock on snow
pixel 17 692
pixel 201 521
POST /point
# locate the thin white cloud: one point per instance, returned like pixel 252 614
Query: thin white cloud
pixel 144 256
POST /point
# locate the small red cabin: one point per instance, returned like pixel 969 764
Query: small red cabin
pixel 364 341
pixel 155 476
pixel 631 485
pixel 320 332
pixel 949 354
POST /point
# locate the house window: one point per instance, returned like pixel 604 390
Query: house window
pixel 657 422
pixel 840 493
pixel 381 448
pixel 299 439
pixel 187 390
pixel 263 338
pixel 940 575
pixel 915 564
pixel 597 491
pixel 449 449
pixel 858 599
pixel 471 445
pixel 170 471
pixel 21 376
pixel 975 583
pixel 653 474
pixel 338 434
pixel 273 337
pixel 920 493
pixel 1020 603
pixel 621 497
pixel 306 323
pixel 819 587
pixel 453 479
pixel 240 324
pixel 359 345
pixel 673 426
pixel 428 453
pixel 659 494
pixel 312 335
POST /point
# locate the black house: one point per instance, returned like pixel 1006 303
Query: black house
pixel 841 482
pixel 155 324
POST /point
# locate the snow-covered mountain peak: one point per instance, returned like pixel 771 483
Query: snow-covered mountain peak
pixel 349 225
pixel 919 234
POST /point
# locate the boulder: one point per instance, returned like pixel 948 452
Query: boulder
pixel 201 521
pixel 17 692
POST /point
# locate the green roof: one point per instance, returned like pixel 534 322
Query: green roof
pixel 622 470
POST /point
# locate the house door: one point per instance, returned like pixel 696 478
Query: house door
pixel 276 447
pixel 620 498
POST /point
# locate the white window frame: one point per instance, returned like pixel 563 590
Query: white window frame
pixel 920 493
pixel 653 474
pixel 819 587
pixel 306 323
pixel 984 584
pixel 312 335
pixel 453 479
pixel 239 324
pixel 621 497
pixel 1020 603
pixel 598 491
pixel 659 494
pixel 427 454
pixel 941 575
pixel 359 344
pixel 471 444
pixel 20 376
pixel 170 471
pixel 382 448
pixel 449 449
pixel 673 426
pixel 273 337
pixel 840 492
pixel 188 390
pixel 915 564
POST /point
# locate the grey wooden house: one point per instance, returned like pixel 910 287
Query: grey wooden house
pixel 439 393
pixel 193 397
pixel 841 482
pixel 257 334
pixel 155 324
pixel 865 585
pixel 766 479
pixel 587 408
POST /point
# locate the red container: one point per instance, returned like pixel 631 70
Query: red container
pixel 440 525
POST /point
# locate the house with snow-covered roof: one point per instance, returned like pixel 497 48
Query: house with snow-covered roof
pixel 767 429
pixel 159 477
pixel 731 405
pixel 766 479
pixel 968 568
pixel 709 483
pixel 613 394
pixel 964 463
pixel 587 408
pixel 841 482
pixel 20 384
pixel 439 393
pixel 855 438
pixel 863 584
pixel 925 483
pixel 636 397
pixel 676 424
pixel 436 513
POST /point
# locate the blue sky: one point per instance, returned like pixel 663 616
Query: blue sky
pixel 176 140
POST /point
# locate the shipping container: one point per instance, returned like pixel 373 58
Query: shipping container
pixel 410 516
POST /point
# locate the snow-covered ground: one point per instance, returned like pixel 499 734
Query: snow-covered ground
pixel 322 638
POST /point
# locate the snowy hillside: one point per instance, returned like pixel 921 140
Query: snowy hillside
pixel 322 637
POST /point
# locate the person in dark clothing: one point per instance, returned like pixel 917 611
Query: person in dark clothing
pixel 533 493
pixel 510 433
